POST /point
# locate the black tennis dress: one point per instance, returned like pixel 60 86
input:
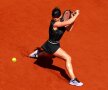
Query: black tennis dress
pixel 53 43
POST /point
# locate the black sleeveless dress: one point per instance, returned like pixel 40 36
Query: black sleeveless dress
pixel 52 44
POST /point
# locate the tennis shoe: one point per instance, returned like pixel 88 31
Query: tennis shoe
pixel 75 82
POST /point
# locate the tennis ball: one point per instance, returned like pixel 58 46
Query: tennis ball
pixel 13 59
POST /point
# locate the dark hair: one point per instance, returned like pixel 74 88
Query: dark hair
pixel 56 13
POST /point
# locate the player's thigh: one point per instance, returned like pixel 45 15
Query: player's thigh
pixel 60 53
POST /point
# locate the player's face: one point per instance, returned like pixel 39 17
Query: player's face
pixel 67 14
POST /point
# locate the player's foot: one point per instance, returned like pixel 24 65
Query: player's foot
pixel 75 82
pixel 35 54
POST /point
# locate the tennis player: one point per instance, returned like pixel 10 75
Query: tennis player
pixel 52 45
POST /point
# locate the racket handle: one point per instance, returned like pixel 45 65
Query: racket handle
pixel 73 13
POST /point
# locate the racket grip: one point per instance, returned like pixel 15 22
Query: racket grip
pixel 73 13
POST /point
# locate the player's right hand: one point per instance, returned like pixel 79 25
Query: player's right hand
pixel 77 12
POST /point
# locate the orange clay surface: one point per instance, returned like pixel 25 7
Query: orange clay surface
pixel 24 26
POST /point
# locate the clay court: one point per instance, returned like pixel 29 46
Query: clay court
pixel 24 26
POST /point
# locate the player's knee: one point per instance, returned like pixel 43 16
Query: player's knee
pixel 68 59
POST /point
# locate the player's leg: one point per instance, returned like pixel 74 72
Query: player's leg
pixel 63 55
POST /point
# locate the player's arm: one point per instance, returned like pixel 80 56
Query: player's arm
pixel 70 27
pixel 68 22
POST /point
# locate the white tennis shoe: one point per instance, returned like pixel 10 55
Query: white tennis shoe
pixel 75 82
pixel 34 54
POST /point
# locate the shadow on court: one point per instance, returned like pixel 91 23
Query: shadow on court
pixel 47 62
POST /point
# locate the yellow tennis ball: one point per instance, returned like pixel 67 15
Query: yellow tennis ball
pixel 14 59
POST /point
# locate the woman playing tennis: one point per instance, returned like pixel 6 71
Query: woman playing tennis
pixel 52 46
